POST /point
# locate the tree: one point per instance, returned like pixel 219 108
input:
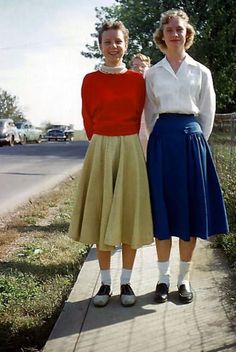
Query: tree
pixel 9 106
pixel 216 48
pixel 215 43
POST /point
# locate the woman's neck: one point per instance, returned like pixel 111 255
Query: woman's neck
pixel 175 59
pixel 175 55
pixel 113 63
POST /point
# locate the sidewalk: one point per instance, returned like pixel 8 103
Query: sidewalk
pixel 206 324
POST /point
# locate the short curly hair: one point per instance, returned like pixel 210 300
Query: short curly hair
pixel 165 18
pixel 113 25
pixel 141 57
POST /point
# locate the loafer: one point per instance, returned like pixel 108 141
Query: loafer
pixel 103 296
pixel 127 296
pixel 185 296
pixel 161 294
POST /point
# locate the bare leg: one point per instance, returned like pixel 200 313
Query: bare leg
pixel 186 249
pixel 128 256
pixel 104 259
pixel 163 248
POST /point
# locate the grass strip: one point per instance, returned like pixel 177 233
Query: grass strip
pixel 37 269
pixel 225 157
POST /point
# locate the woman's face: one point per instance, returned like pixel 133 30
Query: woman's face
pixel 174 33
pixel 113 47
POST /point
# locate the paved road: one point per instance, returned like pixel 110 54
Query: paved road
pixel 28 170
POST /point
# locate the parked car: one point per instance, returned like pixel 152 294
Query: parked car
pixel 8 132
pixel 29 133
pixel 69 135
pixel 56 134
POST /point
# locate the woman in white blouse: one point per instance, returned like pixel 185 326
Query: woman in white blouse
pixel 185 193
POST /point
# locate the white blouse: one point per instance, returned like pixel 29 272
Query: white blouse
pixel 188 91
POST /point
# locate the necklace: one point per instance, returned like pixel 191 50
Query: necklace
pixel 113 70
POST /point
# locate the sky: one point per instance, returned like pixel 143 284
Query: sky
pixel 40 56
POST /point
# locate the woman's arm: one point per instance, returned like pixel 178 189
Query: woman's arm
pixel 207 104
pixel 149 107
pixel 86 114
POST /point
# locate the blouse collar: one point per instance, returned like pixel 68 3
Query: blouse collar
pixel 113 70
pixel 187 60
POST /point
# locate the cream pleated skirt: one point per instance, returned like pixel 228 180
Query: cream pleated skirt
pixel 112 203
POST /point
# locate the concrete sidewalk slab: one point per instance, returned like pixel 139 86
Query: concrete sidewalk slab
pixel 207 324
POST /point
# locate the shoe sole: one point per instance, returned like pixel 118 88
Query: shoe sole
pixel 128 305
pixel 102 305
pixel 185 300
pixel 160 300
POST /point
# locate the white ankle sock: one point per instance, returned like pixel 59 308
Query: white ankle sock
pixel 125 276
pixel 184 273
pixel 164 272
pixel 106 277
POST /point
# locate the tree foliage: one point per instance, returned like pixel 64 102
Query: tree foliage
pixel 215 42
pixel 9 106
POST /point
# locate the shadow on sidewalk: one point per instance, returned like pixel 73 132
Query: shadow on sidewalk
pixel 96 318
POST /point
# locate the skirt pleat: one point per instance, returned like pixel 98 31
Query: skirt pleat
pixel 112 203
pixel 185 192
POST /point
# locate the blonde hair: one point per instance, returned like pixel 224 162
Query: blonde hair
pixel 165 18
pixel 113 25
pixel 142 58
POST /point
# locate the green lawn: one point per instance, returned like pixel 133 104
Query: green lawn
pixel 224 152
pixel 38 274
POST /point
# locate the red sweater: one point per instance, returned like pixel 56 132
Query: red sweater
pixel 112 104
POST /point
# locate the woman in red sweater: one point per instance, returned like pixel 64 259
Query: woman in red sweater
pixel 113 205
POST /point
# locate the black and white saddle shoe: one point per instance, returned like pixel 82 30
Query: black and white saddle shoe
pixel 103 296
pixel 127 296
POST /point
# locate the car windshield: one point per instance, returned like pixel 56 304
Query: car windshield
pixel 56 131
pixel 18 124
pixel 1 123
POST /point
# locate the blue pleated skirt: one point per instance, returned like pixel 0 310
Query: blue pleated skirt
pixel 186 197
